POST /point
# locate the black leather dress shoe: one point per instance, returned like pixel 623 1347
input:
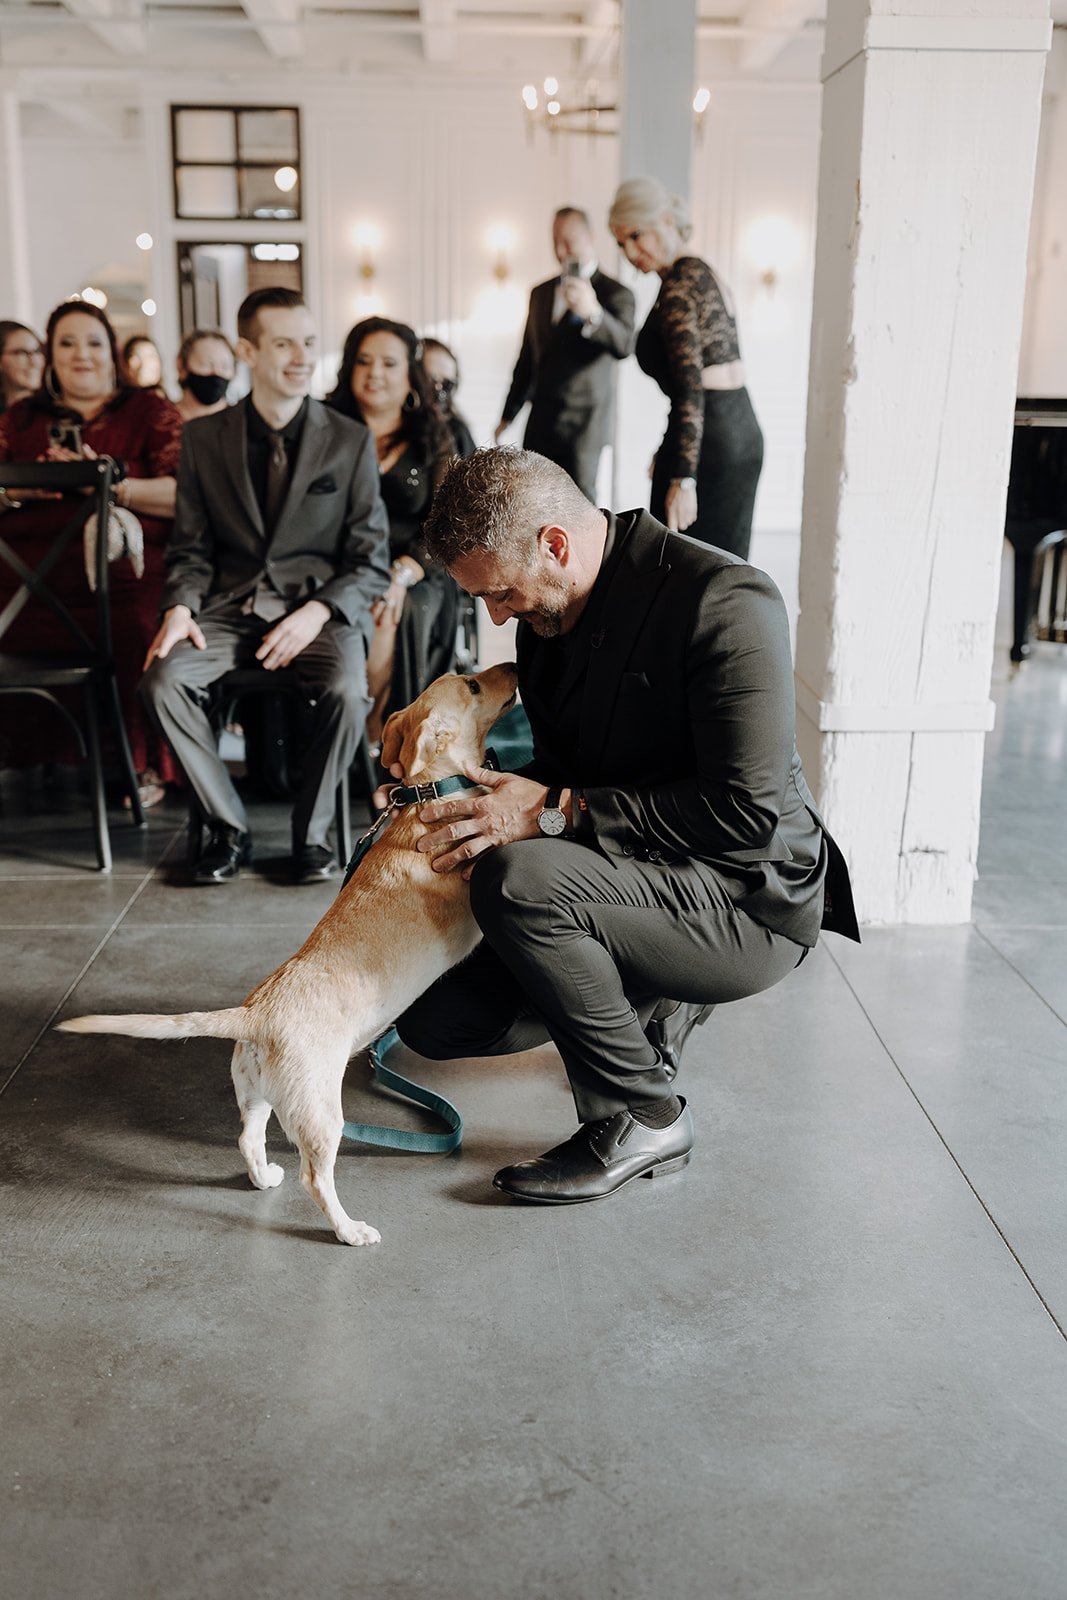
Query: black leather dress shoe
pixel 314 863
pixel 226 852
pixel 599 1159
pixel 670 1026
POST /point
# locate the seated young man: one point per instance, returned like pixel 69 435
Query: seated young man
pixel 662 853
pixel 280 547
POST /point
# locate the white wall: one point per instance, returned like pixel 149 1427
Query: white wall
pixel 1043 361
pixel 438 169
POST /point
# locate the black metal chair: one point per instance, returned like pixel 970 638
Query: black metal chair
pixel 224 698
pixel 88 664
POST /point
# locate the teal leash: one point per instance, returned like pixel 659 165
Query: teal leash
pixel 369 1132
pixel 406 1138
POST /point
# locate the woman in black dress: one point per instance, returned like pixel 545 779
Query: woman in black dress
pixel 707 468
pixel 381 383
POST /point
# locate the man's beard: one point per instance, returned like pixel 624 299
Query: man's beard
pixel 546 621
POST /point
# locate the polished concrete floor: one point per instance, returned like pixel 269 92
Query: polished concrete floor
pixel 827 1362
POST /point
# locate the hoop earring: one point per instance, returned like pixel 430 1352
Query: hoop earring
pixel 50 386
pixel 412 401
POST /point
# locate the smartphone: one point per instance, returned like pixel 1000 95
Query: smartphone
pixel 572 268
pixel 67 435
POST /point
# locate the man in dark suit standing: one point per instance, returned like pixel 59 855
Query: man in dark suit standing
pixel 280 546
pixel 579 324
pixel 662 852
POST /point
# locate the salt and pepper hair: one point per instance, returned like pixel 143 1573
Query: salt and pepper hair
pixel 642 202
pixel 496 501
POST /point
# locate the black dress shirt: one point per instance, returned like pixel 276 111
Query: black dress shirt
pixel 260 444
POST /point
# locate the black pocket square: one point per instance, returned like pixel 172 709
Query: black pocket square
pixel 324 485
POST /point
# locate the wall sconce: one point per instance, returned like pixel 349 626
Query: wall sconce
pixel 772 245
pixel 701 101
pixel 501 241
pixel 367 238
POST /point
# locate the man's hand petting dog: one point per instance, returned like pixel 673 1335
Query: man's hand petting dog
pixel 477 822
pixel 480 822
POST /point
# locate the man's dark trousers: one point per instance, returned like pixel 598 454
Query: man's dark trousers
pixel 332 671
pixel 579 949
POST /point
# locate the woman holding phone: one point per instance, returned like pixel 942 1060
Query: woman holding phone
pixel 87 408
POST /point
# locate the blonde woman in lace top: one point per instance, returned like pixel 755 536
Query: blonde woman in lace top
pixel 708 465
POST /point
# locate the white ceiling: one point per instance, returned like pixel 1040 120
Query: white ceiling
pixel 580 37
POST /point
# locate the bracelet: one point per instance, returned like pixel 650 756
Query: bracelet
pixel 683 483
pixel 122 493
pixel 403 575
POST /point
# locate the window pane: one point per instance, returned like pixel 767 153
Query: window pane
pixel 262 195
pixel 268 136
pixel 207 192
pixel 204 136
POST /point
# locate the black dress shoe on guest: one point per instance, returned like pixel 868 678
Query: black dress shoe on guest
pixel 599 1159
pixel 670 1026
pixel 226 852
pixel 314 863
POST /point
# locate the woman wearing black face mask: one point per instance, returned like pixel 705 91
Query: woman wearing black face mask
pixel 206 365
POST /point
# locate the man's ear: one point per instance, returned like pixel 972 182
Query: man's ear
pixel 392 739
pixel 246 351
pixel 556 543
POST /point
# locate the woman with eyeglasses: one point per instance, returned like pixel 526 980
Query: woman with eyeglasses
pixel 21 363
pixel 86 407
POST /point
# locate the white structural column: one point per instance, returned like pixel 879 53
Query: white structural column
pixel 656 72
pixel 15 296
pixel 929 135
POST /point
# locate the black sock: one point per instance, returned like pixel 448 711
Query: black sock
pixel 658 1113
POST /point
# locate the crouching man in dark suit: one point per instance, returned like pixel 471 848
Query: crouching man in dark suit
pixel 661 854
pixel 280 546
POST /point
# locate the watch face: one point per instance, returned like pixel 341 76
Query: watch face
pixel 552 821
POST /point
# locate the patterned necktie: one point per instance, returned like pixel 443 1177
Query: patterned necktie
pixel 277 481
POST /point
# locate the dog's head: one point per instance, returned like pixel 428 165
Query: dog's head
pixel 445 728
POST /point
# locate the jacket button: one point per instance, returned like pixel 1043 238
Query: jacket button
pixel 654 855
pixel 627 849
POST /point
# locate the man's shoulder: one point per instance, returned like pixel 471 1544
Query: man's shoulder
pixel 693 565
pixel 347 431
pixel 605 284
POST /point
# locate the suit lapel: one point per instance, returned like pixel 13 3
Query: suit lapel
pixel 314 441
pixel 235 455
pixel 638 577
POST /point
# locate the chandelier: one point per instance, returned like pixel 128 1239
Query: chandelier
pixel 546 108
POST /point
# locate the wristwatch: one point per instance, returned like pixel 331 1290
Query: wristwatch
pixel 551 820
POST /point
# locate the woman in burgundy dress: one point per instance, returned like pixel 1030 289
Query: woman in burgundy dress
pixel 85 386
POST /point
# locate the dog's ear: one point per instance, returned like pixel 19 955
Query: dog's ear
pixel 392 739
pixel 420 745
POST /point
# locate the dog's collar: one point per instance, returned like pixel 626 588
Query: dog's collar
pixel 412 794
pixel 419 794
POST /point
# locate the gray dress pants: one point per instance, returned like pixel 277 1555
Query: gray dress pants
pixel 580 950
pixel 332 670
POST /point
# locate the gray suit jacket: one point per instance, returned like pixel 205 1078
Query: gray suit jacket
pixel 331 542
pixel 686 746
pixel 568 378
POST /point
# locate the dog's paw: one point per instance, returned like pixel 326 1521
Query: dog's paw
pixel 359 1233
pixel 268 1177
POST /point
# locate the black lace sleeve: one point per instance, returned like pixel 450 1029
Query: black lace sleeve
pixel 696 330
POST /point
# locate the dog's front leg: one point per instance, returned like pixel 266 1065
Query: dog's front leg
pixel 255 1114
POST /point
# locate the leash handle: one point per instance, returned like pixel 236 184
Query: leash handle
pixel 406 1138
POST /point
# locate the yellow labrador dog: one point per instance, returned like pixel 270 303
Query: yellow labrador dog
pixel 394 929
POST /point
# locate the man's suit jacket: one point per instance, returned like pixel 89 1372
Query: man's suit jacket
pixel 331 541
pixel 569 378
pixel 686 746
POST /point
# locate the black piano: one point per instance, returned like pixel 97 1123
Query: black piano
pixel 1036 521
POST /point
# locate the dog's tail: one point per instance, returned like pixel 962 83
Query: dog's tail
pixel 235 1023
